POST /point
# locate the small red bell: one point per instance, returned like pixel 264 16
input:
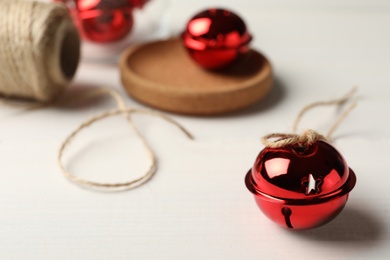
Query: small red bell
pixel 103 20
pixel 215 38
pixel 301 187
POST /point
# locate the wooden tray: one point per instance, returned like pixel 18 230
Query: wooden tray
pixel 162 75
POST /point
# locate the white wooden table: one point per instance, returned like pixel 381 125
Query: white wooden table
pixel 197 206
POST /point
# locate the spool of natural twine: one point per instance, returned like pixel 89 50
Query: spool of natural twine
pixel 39 49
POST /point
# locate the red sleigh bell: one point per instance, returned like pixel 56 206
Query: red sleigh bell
pixel 301 187
pixel 301 181
pixel 215 38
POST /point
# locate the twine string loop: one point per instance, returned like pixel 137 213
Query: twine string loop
pixel 126 112
pixel 308 137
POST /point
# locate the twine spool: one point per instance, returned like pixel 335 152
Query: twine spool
pixel 39 49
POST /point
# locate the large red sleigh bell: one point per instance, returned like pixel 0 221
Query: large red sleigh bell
pixel 301 187
pixel 215 38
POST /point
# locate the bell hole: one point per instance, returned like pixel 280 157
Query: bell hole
pixel 70 53
pixel 287 212
pixel 304 149
pixel 300 149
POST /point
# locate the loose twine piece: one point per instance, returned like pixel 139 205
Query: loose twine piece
pixel 39 55
pixel 126 111
pixel 308 137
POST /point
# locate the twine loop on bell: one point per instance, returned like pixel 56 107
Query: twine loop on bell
pixel 310 136
pixel 276 140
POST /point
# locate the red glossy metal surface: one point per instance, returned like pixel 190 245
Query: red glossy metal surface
pixel 301 188
pixel 138 3
pixel 103 20
pixel 215 38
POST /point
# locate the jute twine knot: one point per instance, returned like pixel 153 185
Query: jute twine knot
pixel 308 137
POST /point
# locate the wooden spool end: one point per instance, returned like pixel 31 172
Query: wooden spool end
pixel 162 75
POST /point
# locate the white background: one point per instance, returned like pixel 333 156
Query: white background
pixel 197 206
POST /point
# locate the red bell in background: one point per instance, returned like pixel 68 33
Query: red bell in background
pixel 103 20
pixel 215 38
pixel 138 3
pixel 301 187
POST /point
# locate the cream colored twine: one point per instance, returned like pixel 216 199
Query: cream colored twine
pixel 122 109
pixel 308 137
pixel 39 55
pixel 39 50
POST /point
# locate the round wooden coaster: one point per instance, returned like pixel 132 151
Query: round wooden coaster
pixel 162 75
